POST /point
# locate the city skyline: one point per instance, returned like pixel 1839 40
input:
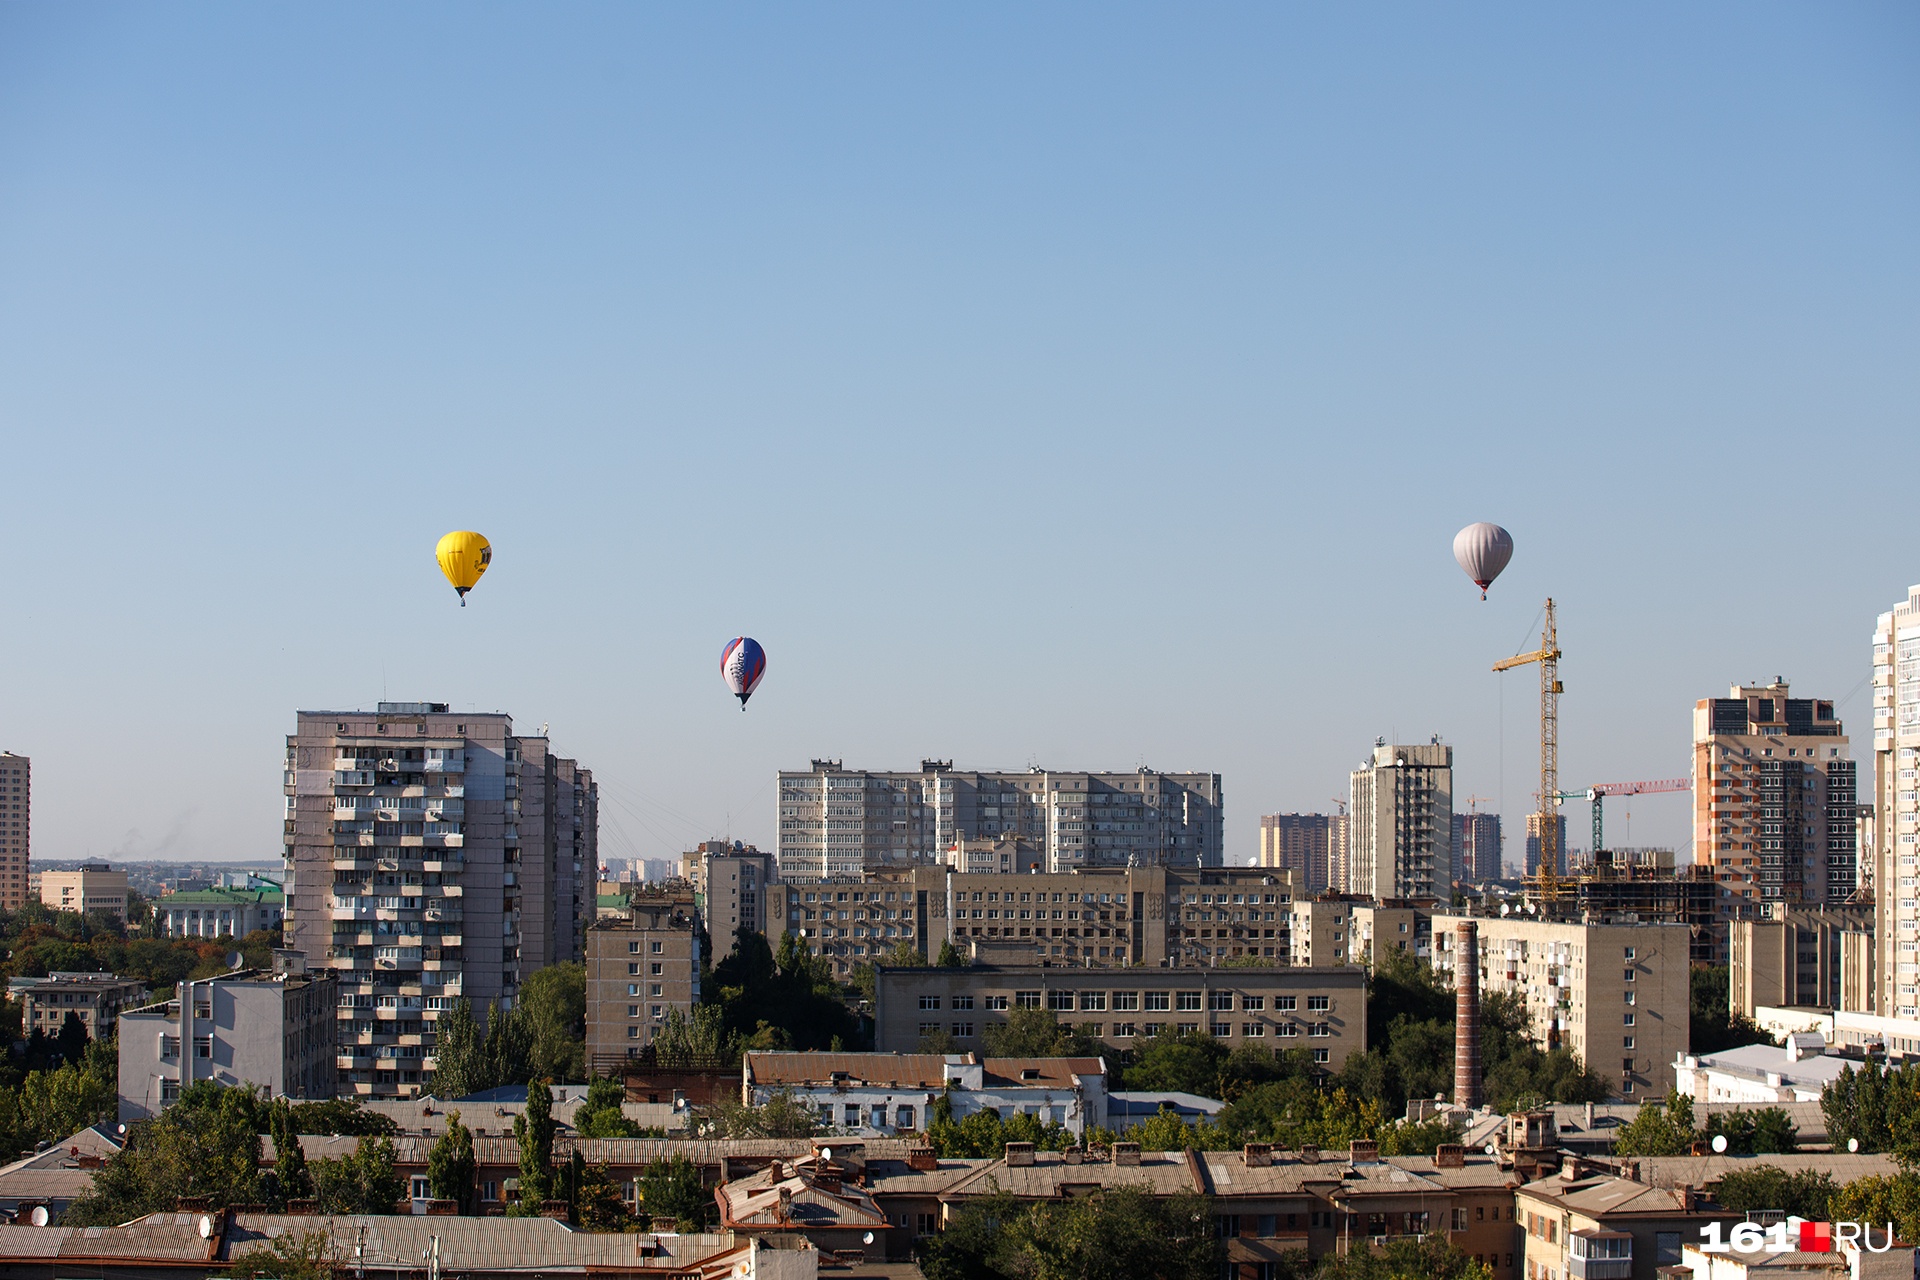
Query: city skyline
pixel 1036 394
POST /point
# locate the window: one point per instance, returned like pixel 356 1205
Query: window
pixel 929 1028
pixel 633 988
pixel 996 1002
pixel 656 970
pixel 1627 996
pixel 1060 1001
pixel 1122 1030
pixel 420 1189
pixel 1629 975
pixel 1126 1000
pixel 1026 999
pixel 633 1033
pixel 633 948
pixel 1629 952
pixel 929 1002
pixel 1254 1029
pixel 1459 1219
pixel 962 1002
pixel 1157 1002
pixel 1286 1003
pixel 1627 1019
pixel 1319 1004
pixel 633 967
pixel 1220 1030
pixel 1220 1000
pixel 1626 1042
pixel 1188 1001
pixel 903 1118
pixel 1253 1004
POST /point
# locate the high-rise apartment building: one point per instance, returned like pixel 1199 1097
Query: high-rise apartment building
pixel 1301 842
pixel 837 821
pixel 1476 846
pixel 16 828
pixel 1559 844
pixel 730 882
pixel 1402 814
pixel 1896 806
pixel 1773 799
pixel 641 966
pixel 432 855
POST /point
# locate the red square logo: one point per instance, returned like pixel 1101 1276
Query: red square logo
pixel 1816 1237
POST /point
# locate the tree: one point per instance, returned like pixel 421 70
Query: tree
pixel 459 1063
pixel 553 1004
pixel 1661 1129
pixel 984 1135
pixel 1518 1074
pixel 600 1115
pixel 1117 1234
pixel 1807 1193
pixel 1417 1138
pixel 291 1181
pixel 1880 1200
pixel 340 1117
pixel 1876 1106
pixel 1766 1132
pixel 974 1245
pixel 451 1165
pixel 783 1115
pixel 1186 1062
pixel 534 1132
pixel 951 957
pixel 1035 1033
pixel 1712 1027
pixel 788 1000
pixel 902 955
pixel 311 1255
pixel 671 1188
pixel 72 1041
pixel 508 1049
pixel 193 1149
pixel 598 1203
pixel 683 1041
pixel 364 1182
pixel 1405 1258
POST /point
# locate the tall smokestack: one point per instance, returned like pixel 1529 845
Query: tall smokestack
pixel 1466 1014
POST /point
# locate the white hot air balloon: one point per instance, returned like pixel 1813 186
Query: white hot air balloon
pixel 1483 551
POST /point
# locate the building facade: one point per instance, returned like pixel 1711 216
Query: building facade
pixel 641 966
pixel 94 887
pixel 1560 844
pixel 887 1095
pixel 1617 995
pixel 1322 1010
pixel 1477 846
pixel 730 883
pixel 433 855
pixel 247 1028
pixel 1401 804
pixel 1799 959
pixel 1773 799
pixel 16 828
pixel 836 821
pixel 1300 842
pixel 1896 805
pixel 95 998
pixel 219 913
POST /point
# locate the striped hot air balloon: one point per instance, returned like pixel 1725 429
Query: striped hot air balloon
pixel 742 664
pixel 1483 551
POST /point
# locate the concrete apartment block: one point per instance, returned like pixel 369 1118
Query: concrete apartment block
pixel 1531 862
pixel 1301 842
pixel 640 965
pixel 1323 1010
pixel 1477 846
pixel 837 821
pixel 1773 800
pixel 1401 803
pixel 95 998
pixel 1800 958
pixel 730 881
pixel 1617 995
pixel 16 828
pixel 434 854
pixel 252 1027
pixel 1896 806
pixel 94 887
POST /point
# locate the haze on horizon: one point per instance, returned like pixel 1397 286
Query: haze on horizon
pixel 1079 386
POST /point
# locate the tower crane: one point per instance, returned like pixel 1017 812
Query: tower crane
pixel 1600 792
pixel 1548 657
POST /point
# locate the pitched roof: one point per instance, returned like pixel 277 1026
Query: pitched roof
pixel 793 1195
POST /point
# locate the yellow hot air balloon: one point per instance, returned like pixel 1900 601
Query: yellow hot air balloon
pixel 464 556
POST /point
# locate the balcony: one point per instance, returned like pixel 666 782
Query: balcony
pixel 457 764
pixel 1599 1255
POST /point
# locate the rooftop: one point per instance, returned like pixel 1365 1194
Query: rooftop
pixel 223 898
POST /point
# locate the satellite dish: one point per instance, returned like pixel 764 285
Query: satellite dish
pixel 206 1227
pixel 39 1217
pixel 826 1153
pixel 1719 1144
pixel 1492 1150
pixel 120 1129
pixel 235 959
pixel 1853 1144
pixel 867 1238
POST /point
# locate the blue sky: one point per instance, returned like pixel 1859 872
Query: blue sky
pixel 1079 385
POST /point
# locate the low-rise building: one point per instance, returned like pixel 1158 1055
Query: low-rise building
pixel 252 1027
pixel 1762 1074
pixel 219 913
pixel 93 887
pixel 1322 1010
pixel 94 998
pixel 1618 995
pixel 887 1094
pixel 641 965
pixel 1588 1223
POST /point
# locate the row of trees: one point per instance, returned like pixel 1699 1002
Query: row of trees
pixel 1667 1129
pixel 543 1037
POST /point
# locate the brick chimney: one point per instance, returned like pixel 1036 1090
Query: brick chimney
pixel 922 1160
pixel 1450 1155
pixel 1019 1154
pixel 1257 1155
pixel 1123 1153
pixel 1466 1014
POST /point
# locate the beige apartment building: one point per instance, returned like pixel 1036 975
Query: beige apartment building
pixel 1773 800
pixel 1301 842
pixel 94 887
pixel 434 854
pixel 640 966
pixel 16 828
pixel 1322 1010
pixel 839 822
pixel 1106 917
pixel 95 998
pixel 730 884
pixel 1805 957
pixel 1617 995
pixel 1401 803
pixel 1896 806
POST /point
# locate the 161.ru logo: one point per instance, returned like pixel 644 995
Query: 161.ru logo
pixel 1790 1236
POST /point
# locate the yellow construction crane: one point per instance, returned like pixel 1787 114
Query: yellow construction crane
pixel 1548 656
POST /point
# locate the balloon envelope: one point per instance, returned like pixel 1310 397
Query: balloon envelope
pixel 463 555
pixel 742 663
pixel 1483 551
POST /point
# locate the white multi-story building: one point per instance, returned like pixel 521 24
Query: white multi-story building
pixel 886 1095
pixel 1896 805
pixel 432 855
pixel 836 821
pixel 1402 823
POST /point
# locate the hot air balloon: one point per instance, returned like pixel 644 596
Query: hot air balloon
pixel 464 556
pixel 1483 551
pixel 742 664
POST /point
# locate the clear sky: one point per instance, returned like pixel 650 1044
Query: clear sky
pixel 1077 385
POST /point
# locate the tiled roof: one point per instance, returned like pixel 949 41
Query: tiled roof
pixel 891 1070
pixel 790 1195
pixel 56 1175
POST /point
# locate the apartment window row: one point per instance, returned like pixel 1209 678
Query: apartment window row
pixel 1151 1001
